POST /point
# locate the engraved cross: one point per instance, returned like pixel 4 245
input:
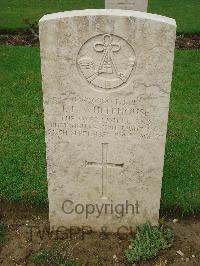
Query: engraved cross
pixel 104 165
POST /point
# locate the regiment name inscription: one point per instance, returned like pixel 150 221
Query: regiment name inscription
pixel 100 118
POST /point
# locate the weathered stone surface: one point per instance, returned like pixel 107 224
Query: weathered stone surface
pixel 137 5
pixel 106 84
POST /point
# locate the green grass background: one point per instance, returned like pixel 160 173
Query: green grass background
pixel 22 146
pixel 13 13
pixel 22 150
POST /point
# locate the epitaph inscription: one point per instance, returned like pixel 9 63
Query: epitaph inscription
pixel 106 61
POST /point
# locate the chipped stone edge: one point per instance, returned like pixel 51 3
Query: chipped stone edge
pixel 108 12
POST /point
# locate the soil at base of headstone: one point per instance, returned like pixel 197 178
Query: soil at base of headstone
pixel 27 234
pixel 30 39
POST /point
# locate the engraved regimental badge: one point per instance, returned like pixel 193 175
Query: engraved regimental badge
pixel 106 61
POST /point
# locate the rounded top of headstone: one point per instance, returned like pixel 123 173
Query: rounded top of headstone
pixel 109 12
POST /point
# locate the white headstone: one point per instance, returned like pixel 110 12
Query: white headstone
pixel 106 84
pixel 137 5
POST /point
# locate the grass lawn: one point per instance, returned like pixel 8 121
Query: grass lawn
pixel 186 13
pixel 22 149
pixel 13 13
pixel 181 183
